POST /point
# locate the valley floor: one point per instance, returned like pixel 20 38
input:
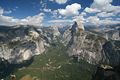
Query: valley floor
pixel 55 65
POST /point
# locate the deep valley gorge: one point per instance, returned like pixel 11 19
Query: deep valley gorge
pixel 74 53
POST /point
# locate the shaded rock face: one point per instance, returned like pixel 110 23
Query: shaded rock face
pixel 106 74
pixel 111 51
pixel 102 47
pixel 77 27
pixel 109 34
pixel 93 47
pixel 7 68
pixel 19 44
pixel 87 46
pixel 74 27
pixel 68 35
pixel 50 34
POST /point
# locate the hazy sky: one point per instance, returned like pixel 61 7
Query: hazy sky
pixel 59 12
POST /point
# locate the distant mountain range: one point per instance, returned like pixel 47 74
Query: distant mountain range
pixel 96 45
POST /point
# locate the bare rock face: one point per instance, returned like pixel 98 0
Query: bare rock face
pixel 55 31
pixel 77 27
pixel 20 44
pixel 112 34
pixel 93 47
pixel 111 51
pixel 87 46
pixel 80 26
pixel 67 36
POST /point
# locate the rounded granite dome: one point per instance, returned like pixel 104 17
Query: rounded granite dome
pixel 80 26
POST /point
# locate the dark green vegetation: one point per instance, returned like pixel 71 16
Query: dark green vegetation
pixel 55 64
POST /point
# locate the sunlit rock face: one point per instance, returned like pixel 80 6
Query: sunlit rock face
pixel 93 47
pixel 55 31
pixel 87 46
pixel 50 34
pixel 80 26
pixel 21 43
pixel 77 27
pixel 33 34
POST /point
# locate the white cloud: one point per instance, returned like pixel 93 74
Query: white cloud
pixel 93 20
pixel 55 14
pixel 104 5
pixel 79 18
pixel 60 21
pixel 70 10
pixel 43 4
pixel 8 12
pixel 109 22
pixel 31 20
pixel 91 10
pixel 47 10
pixel 60 1
pixel 83 14
pixel 105 14
pixel 6 20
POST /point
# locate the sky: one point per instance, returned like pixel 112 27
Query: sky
pixel 59 12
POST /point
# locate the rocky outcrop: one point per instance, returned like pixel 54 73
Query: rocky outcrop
pixel 112 35
pixel 111 53
pixel 68 35
pixel 20 44
pixel 87 46
pixel 93 47
pixel 106 74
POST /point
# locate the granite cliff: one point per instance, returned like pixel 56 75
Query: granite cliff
pixel 93 47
